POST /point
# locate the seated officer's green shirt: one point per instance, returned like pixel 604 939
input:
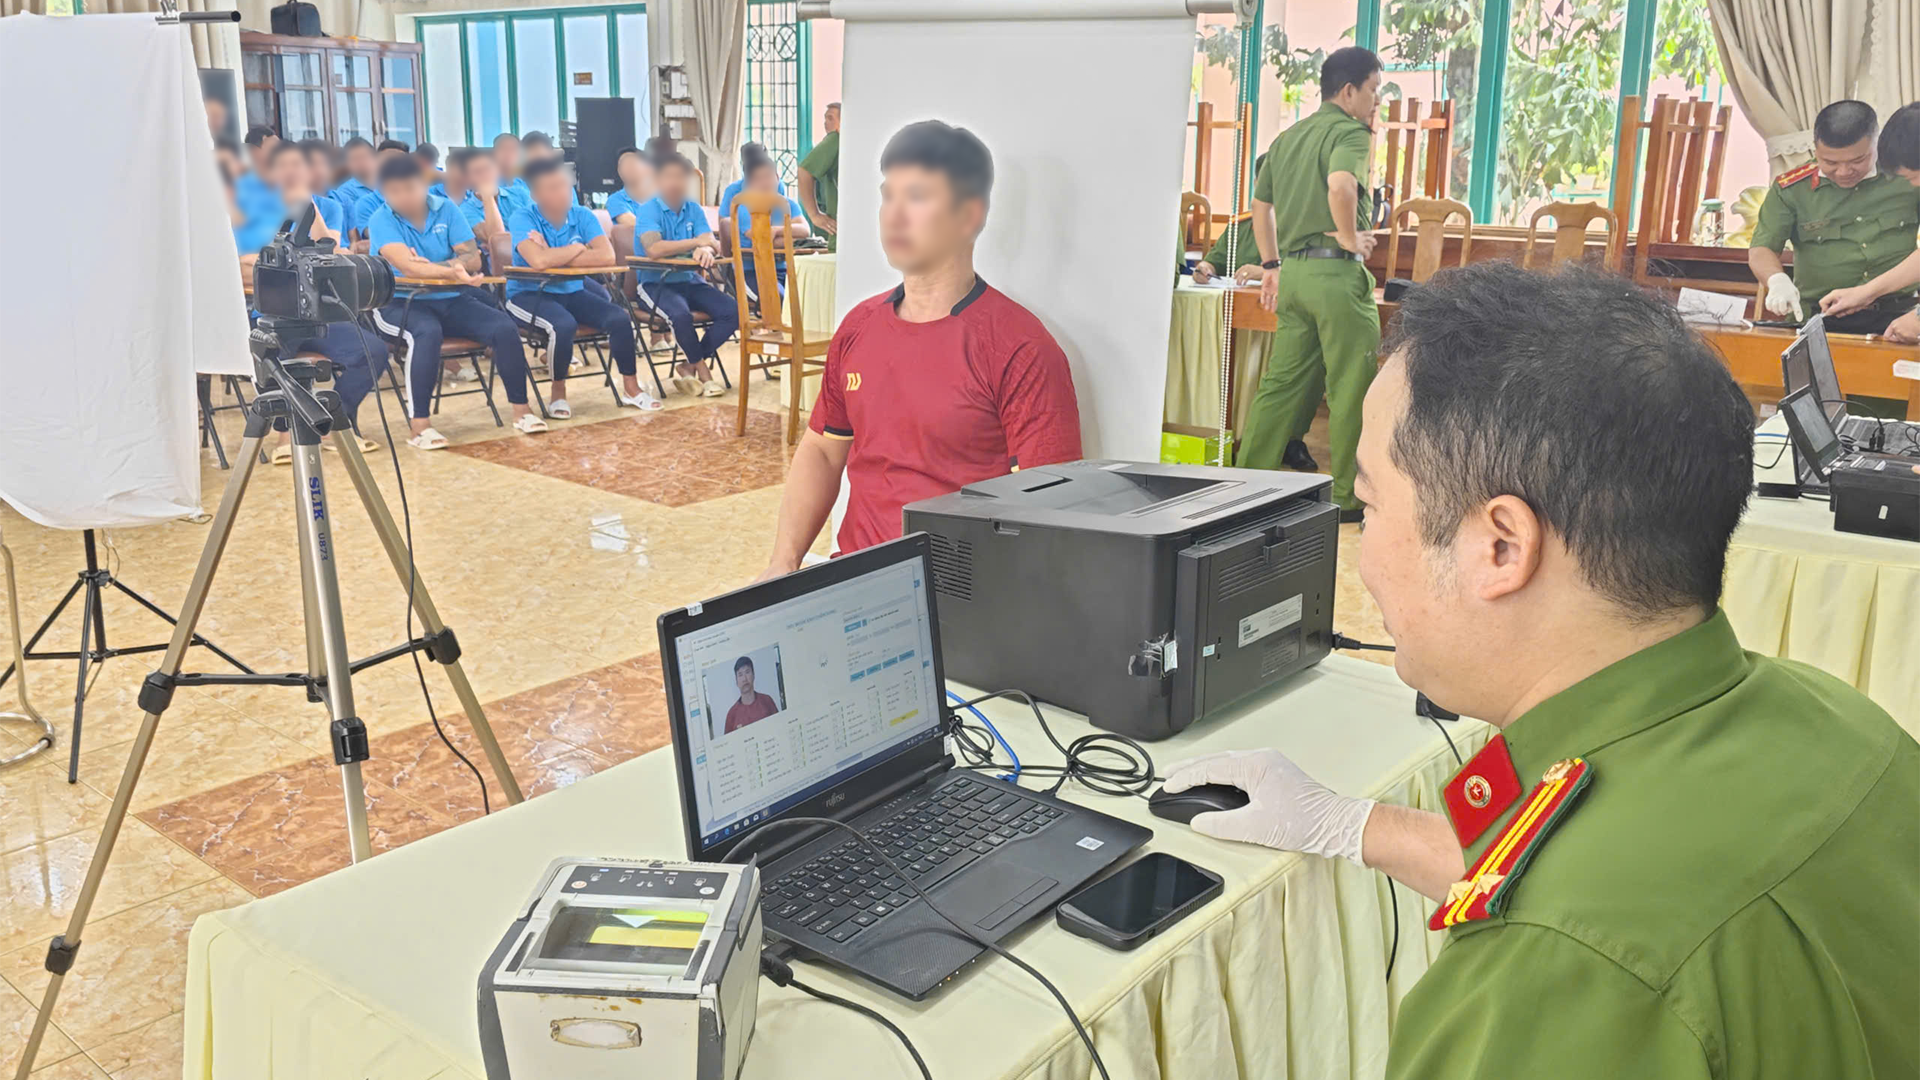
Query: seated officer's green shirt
pixel 1294 177
pixel 1245 253
pixel 1737 895
pixel 823 164
pixel 1841 237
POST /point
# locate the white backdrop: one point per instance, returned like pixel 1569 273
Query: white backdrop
pixel 117 277
pixel 1085 115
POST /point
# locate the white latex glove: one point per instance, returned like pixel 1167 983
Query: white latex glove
pixel 1783 297
pixel 1286 808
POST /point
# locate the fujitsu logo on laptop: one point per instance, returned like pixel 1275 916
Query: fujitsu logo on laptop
pixel 836 799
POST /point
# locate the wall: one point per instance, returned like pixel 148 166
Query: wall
pixel 828 39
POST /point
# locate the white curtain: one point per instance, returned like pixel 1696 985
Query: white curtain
pixel 713 42
pixel 1788 59
pixel 1893 56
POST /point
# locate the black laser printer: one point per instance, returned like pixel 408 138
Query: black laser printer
pixel 1144 596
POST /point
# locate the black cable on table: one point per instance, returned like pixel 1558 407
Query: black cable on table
pixel 1102 761
pixel 780 973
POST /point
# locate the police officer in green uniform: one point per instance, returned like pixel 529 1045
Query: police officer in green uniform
pixel 819 180
pixel 1246 251
pixel 1677 859
pixel 1311 214
pixel 1847 221
pixel 1900 156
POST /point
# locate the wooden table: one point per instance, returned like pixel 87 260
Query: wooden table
pixel 562 271
pixel 431 283
pixel 674 262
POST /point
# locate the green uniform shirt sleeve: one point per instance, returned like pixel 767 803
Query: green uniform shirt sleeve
pixel 825 155
pixel 1584 1017
pixel 1349 154
pixel 1775 226
pixel 1263 179
pixel 1217 254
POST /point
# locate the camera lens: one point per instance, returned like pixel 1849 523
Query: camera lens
pixel 373 280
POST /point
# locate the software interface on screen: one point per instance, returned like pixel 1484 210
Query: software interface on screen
pixel 1810 363
pixel 1818 432
pixel 856 685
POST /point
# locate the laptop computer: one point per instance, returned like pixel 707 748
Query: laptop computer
pixel 820 694
pixel 1808 364
pixel 1817 448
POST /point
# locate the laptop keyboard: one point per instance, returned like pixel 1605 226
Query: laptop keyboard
pixel 840 893
pixel 1860 430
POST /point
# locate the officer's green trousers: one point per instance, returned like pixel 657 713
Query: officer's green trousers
pixel 1327 342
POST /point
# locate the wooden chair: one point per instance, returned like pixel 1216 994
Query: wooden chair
pixel 1196 220
pixel 776 335
pixel 1430 235
pixel 1204 126
pixel 1409 168
pixel 1570 233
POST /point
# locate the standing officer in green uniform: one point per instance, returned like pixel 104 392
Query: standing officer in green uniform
pixel 1848 224
pixel 1677 859
pixel 819 180
pixel 1311 213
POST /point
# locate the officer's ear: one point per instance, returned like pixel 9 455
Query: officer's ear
pixel 1503 546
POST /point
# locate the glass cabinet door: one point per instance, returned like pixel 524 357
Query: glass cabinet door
pixel 399 98
pixel 301 91
pixel 353 96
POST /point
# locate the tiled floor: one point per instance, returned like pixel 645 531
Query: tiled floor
pixel 550 556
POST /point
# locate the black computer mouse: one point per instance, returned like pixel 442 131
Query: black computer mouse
pixel 1181 806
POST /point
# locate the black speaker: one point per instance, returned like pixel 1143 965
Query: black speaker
pixel 605 128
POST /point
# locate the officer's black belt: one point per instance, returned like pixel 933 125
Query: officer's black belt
pixel 1322 253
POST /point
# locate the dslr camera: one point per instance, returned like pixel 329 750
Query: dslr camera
pixel 299 279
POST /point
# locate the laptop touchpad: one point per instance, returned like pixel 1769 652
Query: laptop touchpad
pixel 989 897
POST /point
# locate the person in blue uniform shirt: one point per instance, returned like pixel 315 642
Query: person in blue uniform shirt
pixel 558 232
pixel 358 159
pixel 358 353
pixel 319 158
pixel 363 209
pixel 428 155
pixel 751 154
pixel 673 225
pixel 636 185
pixel 485 206
pixel 506 164
pixel 762 177
pixel 251 190
pixel 424 237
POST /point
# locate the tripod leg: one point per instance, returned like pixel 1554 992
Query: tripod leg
pixel 45 625
pixel 309 604
pixel 154 697
pixel 80 687
pixel 348 733
pixel 93 594
pixel 396 545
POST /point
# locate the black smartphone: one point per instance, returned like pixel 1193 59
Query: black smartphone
pixel 1137 901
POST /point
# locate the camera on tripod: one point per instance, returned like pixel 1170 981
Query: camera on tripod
pixel 301 279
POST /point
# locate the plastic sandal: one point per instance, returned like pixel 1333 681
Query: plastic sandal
pixel 530 424
pixel 643 401
pixel 283 454
pixel 428 440
pixel 559 409
pixel 712 389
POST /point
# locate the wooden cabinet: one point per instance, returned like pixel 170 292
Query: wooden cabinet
pixel 333 88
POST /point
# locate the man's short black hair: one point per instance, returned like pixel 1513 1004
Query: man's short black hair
pixel 624 151
pixel 1592 401
pixel 536 138
pixel 1844 123
pixel 428 153
pixel 391 144
pixel 284 147
pixel 353 142
pixel 403 167
pixel 506 137
pixel 458 157
pixel 1900 139
pixel 258 134
pixel 1351 66
pixel 743 662
pixel 538 168
pixel 675 160
pixel 754 166
pixel 943 148
pixel 750 153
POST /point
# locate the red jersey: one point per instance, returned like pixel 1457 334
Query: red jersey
pixel 744 713
pixel 932 407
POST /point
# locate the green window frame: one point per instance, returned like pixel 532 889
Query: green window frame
pixel 559 16
pixel 777 100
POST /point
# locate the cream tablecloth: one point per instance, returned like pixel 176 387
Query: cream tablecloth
pixel 371 972
pixel 1845 603
pixel 812 279
pixel 1193 358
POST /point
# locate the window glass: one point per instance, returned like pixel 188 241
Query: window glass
pixel 635 81
pixel 446 95
pixel 536 76
pixel 487 86
pixel 589 69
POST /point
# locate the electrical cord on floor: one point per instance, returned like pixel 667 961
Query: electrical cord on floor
pixel 740 850
pixel 780 973
pixel 1101 761
pixel 413 571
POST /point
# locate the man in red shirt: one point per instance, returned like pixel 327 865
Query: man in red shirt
pixel 753 705
pixel 938 384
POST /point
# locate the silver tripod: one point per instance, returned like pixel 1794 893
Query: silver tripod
pixel 287 401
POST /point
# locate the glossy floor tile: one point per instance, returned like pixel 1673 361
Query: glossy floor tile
pixel 551 557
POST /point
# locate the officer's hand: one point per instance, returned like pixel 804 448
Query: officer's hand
pixel 1847 301
pixel 1246 274
pixel 1269 287
pixel 1905 329
pixel 1783 297
pixel 1287 809
pixel 1202 272
pixel 827 225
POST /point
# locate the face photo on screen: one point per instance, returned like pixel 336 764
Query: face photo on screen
pixel 744 690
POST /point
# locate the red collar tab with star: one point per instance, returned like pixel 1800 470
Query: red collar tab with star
pixel 1794 176
pixel 1484 891
pixel 1481 791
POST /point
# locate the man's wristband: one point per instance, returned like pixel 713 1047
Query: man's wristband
pixel 1270 264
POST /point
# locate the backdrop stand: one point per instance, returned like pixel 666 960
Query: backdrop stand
pixel 26 714
pixel 93 628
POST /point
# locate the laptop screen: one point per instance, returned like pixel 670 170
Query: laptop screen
pixel 1809 362
pixel 782 703
pixel 1815 442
